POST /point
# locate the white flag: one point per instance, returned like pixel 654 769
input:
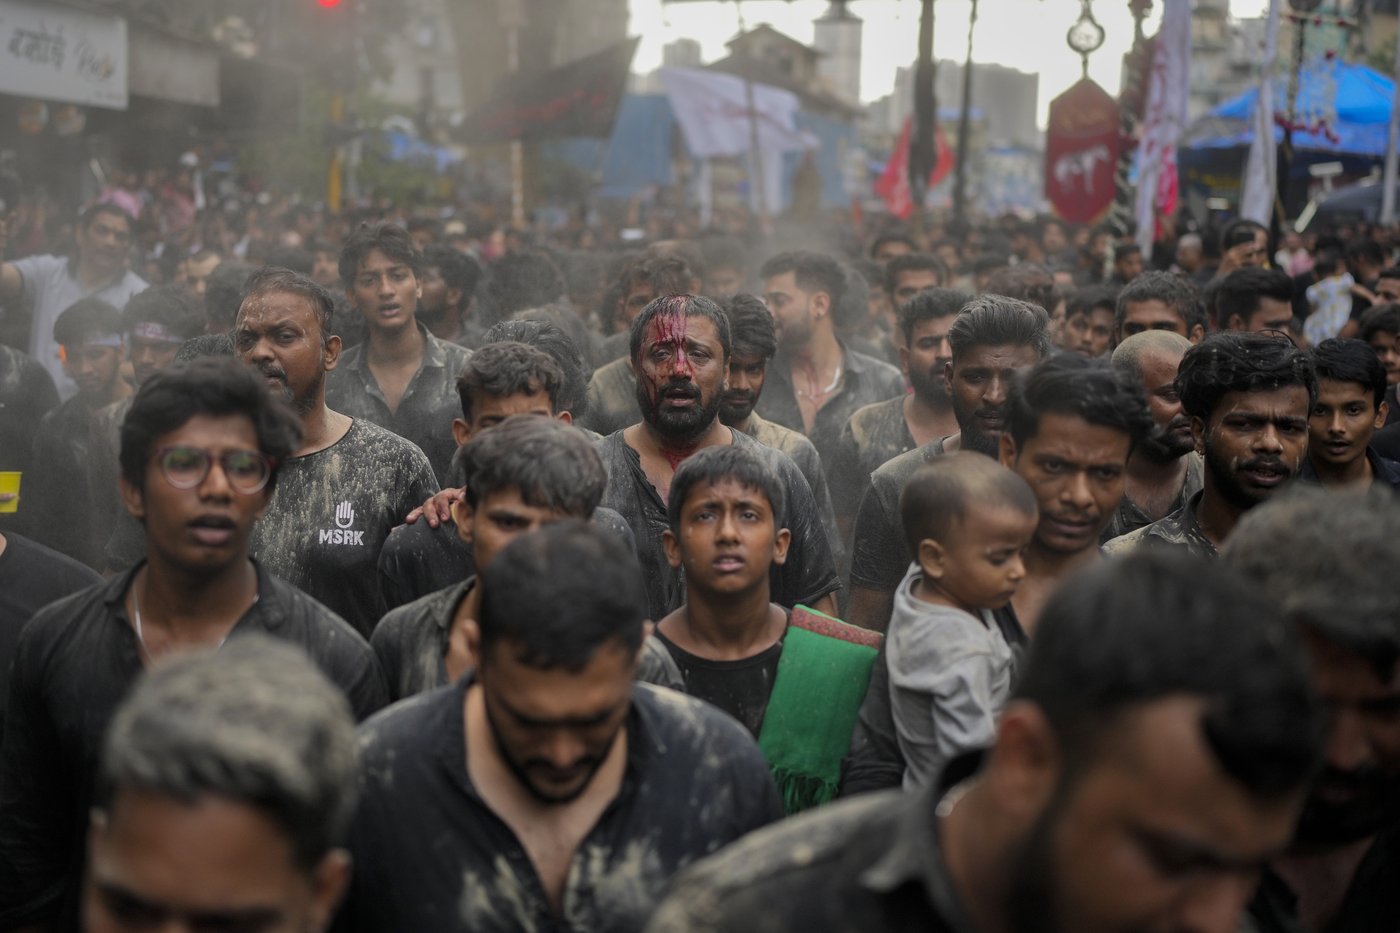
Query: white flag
pixel 713 112
pixel 1166 116
pixel 1257 202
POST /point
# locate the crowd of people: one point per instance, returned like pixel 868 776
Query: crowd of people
pixel 387 573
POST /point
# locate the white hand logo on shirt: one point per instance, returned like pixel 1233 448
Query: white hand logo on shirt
pixel 344 515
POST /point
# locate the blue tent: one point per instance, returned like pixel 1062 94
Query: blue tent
pixel 1362 105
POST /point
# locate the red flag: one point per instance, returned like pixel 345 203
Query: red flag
pixel 893 184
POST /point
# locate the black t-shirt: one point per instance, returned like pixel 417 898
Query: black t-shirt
pixel 807 576
pixel 411 641
pixel 75 663
pixel 879 555
pixel 31 577
pixel 740 688
pixel 429 853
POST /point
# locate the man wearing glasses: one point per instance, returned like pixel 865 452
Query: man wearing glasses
pixel 200 453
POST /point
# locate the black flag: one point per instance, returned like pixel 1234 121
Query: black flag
pixel 576 99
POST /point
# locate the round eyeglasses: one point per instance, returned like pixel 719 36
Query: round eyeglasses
pixel 247 471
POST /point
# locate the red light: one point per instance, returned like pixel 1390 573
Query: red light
pixel 329 4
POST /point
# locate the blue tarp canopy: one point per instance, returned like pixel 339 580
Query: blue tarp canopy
pixel 1361 100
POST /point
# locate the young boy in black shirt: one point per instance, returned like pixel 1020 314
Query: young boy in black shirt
pixel 795 679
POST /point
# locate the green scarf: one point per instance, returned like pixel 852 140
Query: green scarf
pixel 823 674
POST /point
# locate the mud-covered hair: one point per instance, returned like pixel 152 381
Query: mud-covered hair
pixel 931 304
pixel 1068 384
pixel 390 239
pixel 686 305
pixel 751 329
pixel 1350 361
pixel 995 321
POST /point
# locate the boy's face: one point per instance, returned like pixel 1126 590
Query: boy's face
pixel 981 563
pixel 1342 421
pixel 386 292
pixel 1387 347
pixel 497 520
pixel 728 538
pixel 93 367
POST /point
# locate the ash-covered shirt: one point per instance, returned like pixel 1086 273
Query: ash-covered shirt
pixel 856 866
pixel 871 437
pixel 1129 516
pixel 879 556
pixel 429 403
pixel 331 512
pixel 950 675
pixel 612 398
pixel 807 576
pixel 1179 529
pixel 804 454
pixel 75 663
pixel 430 855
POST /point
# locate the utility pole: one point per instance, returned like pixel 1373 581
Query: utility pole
pixel 922 152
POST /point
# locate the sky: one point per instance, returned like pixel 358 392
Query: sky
pixel 1024 34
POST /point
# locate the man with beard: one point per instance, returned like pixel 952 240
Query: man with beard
pixel 547 790
pixel 349 481
pixel 1339 874
pixel 450 278
pixel 1248 397
pixel 403 378
pixel 816 382
pixel 49 284
pixel 990 340
pixel 1140 778
pixel 754 343
pixel 680 351
pixel 1164 471
pixel 1071 427
pixel 883 430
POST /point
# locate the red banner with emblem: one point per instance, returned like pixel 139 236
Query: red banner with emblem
pixel 1081 151
pixel 893 184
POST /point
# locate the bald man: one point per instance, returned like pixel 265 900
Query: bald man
pixel 1164 471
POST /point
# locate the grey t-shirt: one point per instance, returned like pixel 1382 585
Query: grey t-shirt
pixel 50 286
pixel 950 675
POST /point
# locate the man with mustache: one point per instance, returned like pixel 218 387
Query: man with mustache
pixel 990 340
pixel 349 481
pixel 883 430
pixel 1248 396
pixel 680 346
pixel 1139 779
pixel 1164 470
pixel 1339 873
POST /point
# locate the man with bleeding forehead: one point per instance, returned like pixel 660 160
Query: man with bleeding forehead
pixel 680 349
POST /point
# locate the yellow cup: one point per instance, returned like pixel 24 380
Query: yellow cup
pixel 9 483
